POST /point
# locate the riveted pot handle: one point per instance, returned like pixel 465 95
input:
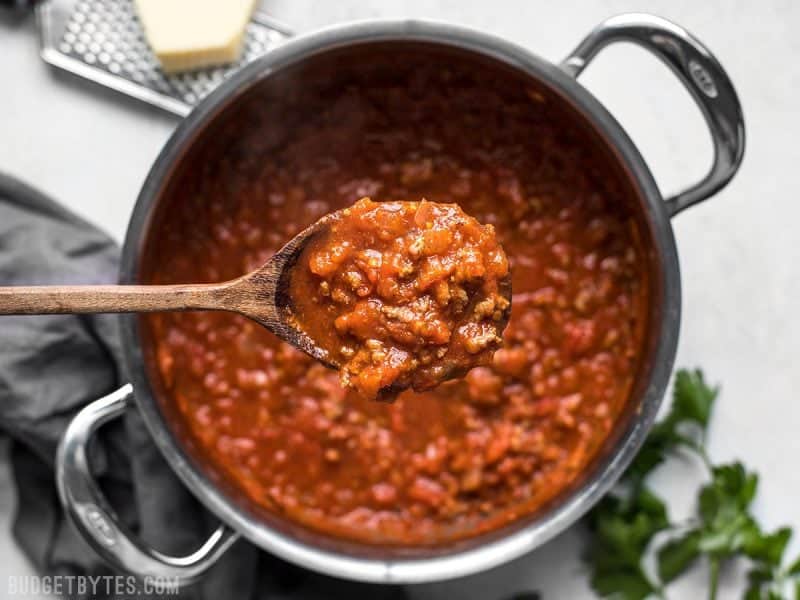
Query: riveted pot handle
pixel 702 75
pixel 85 504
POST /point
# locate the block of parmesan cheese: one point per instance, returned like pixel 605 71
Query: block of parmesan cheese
pixel 191 34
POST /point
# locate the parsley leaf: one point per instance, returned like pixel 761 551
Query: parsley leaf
pixel 676 556
pixel 692 397
pixel 622 531
pixel 769 549
pixel 625 524
pixel 794 568
pixel 727 526
pixel 623 585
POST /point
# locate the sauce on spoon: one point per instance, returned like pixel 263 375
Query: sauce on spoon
pixel 402 294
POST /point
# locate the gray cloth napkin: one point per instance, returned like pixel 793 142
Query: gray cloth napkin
pixel 51 366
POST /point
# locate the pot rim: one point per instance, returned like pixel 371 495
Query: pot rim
pixel 605 472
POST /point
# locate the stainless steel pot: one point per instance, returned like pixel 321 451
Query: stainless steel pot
pixel 695 67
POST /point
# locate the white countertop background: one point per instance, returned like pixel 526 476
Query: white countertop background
pixel 92 148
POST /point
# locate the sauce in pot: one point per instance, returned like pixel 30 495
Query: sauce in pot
pixel 470 455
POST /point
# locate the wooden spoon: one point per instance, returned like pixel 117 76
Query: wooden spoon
pixel 261 295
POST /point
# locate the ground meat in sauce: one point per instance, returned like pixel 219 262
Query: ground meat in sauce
pixel 416 291
pixel 470 455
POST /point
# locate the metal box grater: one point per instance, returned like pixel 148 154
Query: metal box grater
pixel 103 40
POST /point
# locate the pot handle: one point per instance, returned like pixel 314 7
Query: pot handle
pixel 699 72
pixel 95 519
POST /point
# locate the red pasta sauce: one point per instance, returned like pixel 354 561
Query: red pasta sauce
pixel 470 455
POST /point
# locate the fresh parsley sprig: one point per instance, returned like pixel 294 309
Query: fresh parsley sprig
pixel 628 524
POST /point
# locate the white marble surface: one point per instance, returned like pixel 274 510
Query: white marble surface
pixel 739 251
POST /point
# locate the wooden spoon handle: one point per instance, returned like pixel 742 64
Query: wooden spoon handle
pixel 60 299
